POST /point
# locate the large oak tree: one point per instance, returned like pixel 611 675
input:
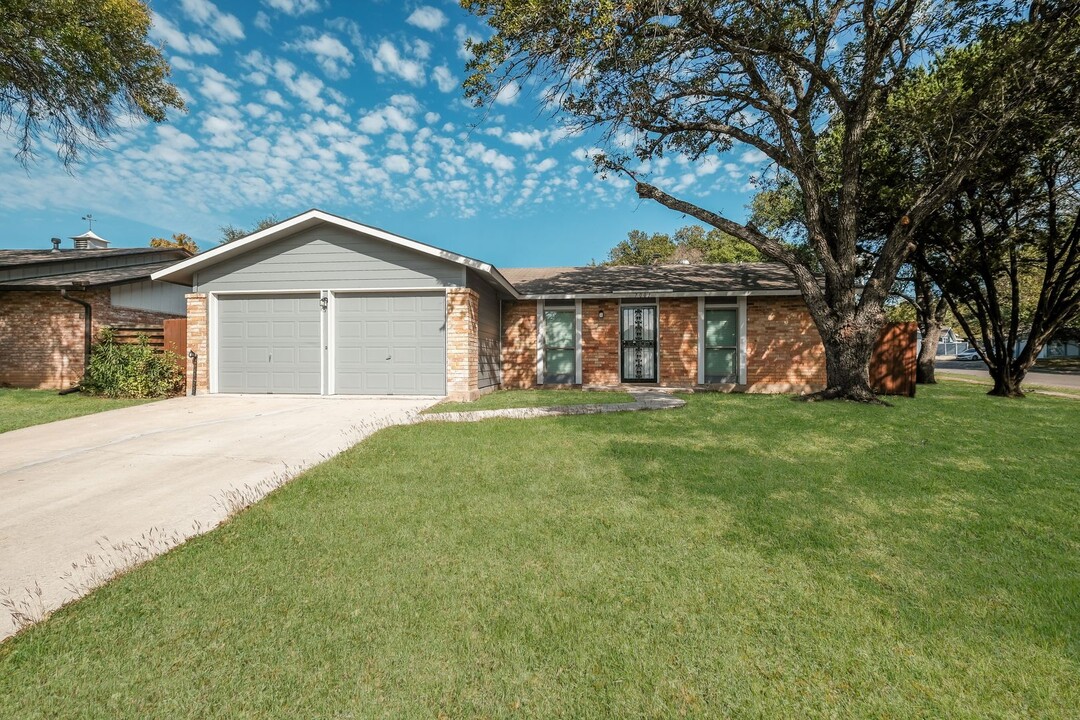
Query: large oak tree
pixel 698 77
pixel 70 68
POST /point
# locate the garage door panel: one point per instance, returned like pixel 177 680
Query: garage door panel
pixel 269 344
pixel 373 329
pixel 389 344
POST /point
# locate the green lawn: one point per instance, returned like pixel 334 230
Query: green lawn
pixel 744 556
pixel 502 399
pixel 22 408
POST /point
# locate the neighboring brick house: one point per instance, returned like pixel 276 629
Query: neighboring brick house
pixel 47 298
pixel 320 304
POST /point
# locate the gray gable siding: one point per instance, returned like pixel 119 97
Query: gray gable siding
pixel 329 258
pixel 488 333
pixel 151 295
pixel 83 264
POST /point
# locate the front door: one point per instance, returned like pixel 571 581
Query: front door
pixel 638 341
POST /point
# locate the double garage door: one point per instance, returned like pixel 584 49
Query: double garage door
pixel 359 344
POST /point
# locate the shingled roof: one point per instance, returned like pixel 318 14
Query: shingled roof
pixel 727 278
pixel 45 269
pixel 10 258
pixel 88 278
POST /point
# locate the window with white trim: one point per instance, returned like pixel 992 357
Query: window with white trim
pixel 560 348
pixel 721 352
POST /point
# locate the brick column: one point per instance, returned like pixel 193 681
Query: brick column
pixel 462 344
pixel 198 323
pixel 519 344
pixel 678 341
pixel 599 342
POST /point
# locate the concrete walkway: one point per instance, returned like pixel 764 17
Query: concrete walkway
pixel 654 400
pixel 107 490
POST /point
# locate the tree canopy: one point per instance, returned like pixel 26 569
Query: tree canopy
pixel 691 243
pixel 231 233
pixel 70 70
pixel 178 240
pixel 699 77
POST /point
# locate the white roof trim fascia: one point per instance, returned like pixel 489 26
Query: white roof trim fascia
pixel 662 293
pixel 212 256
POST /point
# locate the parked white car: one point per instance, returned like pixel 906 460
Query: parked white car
pixel 969 354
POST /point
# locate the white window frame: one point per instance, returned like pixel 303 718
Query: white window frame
pixel 541 344
pixel 740 340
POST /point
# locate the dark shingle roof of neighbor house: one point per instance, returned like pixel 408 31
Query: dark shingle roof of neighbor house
pixel 10 258
pixel 615 279
pixel 88 278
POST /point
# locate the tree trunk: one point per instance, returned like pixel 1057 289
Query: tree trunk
pixel 847 363
pixel 924 367
pixel 1006 384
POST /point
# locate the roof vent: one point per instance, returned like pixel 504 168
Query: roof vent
pixel 56 244
pixel 90 241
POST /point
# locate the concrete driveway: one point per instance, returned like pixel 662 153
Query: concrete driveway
pixel 149 476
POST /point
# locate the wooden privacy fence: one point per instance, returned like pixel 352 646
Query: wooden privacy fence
pixel 130 334
pixel 892 366
pixel 171 335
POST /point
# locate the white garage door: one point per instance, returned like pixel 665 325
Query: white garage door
pixel 269 344
pixel 390 344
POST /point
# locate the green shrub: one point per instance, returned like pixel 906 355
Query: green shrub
pixel 131 370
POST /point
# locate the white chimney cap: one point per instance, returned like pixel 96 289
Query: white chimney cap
pixel 90 240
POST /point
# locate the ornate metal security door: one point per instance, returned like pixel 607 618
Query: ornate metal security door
pixel 638 341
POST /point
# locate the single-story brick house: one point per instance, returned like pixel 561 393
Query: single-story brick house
pixel 324 305
pixel 53 302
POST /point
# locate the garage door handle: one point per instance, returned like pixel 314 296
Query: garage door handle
pixel 387 357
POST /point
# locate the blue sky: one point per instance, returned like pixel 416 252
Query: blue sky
pixel 355 108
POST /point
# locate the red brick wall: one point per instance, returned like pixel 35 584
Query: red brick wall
pixel 600 342
pixel 678 320
pixel 519 344
pixel 783 348
pixel 784 351
pixel 41 335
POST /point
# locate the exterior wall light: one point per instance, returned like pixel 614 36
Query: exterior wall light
pixel 601 315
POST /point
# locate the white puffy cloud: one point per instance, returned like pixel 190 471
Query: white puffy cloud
pixel 262 21
pixel 444 79
pixel 217 87
pixel 463 37
pixel 222 25
pixel 163 30
pixel 545 165
pixel 329 52
pixel 427 18
pixel 273 97
pixel 508 93
pixel 492 158
pixel 305 86
pixel 173 138
pixel 531 140
pixel 583 154
pixel 396 164
pixel 294 7
pixel 753 156
pixel 707 165
pixel 388 60
pixel 396 115
pixel 223 132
